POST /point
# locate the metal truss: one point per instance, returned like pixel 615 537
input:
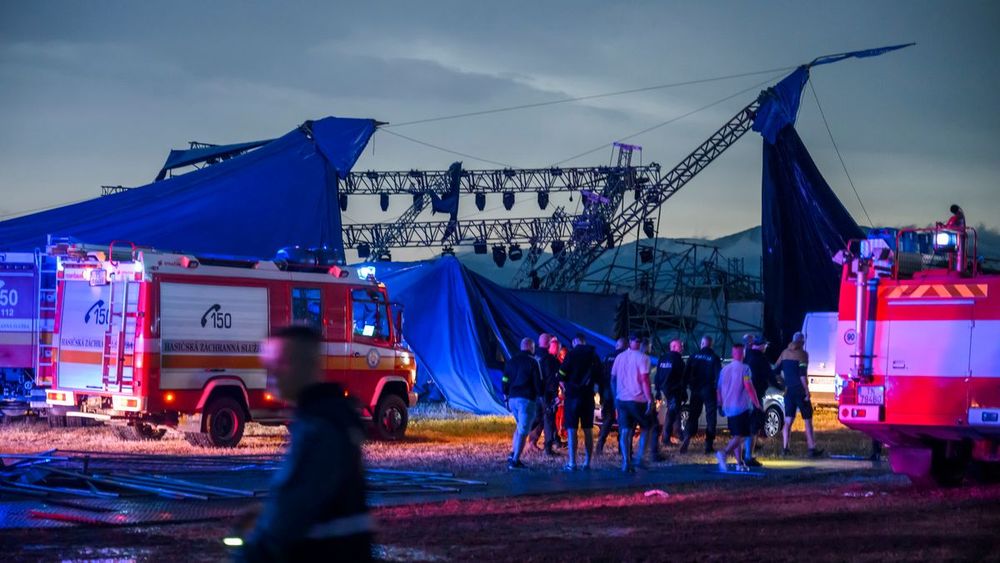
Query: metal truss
pixel 409 234
pixel 566 271
pixel 492 181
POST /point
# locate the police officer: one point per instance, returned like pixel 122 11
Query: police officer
pixel 670 382
pixel 703 376
pixel 317 500
pixel 607 392
pixel 580 372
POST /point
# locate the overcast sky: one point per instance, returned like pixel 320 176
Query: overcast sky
pixel 96 93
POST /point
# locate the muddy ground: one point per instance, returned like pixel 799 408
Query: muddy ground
pixel 806 513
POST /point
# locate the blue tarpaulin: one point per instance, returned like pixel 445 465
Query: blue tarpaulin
pixel 462 326
pixel 803 222
pixel 281 194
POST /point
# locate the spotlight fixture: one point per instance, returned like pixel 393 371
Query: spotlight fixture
pixel 508 200
pixel 558 247
pixel 514 253
pixel 383 201
pixel 343 202
pixel 646 255
pixel 543 199
pixel 499 255
pixel 385 256
pixel 479 246
pixel 448 251
pixel 364 250
pixel 649 227
pixel 480 201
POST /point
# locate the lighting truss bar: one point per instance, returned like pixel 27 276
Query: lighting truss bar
pixel 492 181
pixel 525 231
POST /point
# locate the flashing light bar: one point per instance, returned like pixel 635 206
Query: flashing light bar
pixel 946 240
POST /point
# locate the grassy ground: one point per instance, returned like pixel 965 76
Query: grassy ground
pixel 438 439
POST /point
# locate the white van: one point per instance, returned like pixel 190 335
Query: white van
pixel 820 330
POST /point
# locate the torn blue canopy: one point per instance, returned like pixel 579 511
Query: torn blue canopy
pixel 210 154
pixel 462 327
pixel 281 194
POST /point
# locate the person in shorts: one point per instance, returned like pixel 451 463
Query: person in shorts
pixel 737 399
pixel 792 366
pixel 634 399
pixel 580 372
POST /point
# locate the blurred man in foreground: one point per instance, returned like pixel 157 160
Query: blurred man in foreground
pixel 316 510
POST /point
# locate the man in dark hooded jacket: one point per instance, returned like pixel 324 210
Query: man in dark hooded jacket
pixel 316 508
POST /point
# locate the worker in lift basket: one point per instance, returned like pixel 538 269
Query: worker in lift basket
pixel 316 509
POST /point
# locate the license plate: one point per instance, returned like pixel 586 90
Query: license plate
pixel 871 395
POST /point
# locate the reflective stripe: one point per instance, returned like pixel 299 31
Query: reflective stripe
pixel 347 526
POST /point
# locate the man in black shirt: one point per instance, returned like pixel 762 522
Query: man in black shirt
pixel 548 401
pixel 522 385
pixel 670 384
pixel 580 372
pixel 703 377
pixel 762 376
pixel 607 393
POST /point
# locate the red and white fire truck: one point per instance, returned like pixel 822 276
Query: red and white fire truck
pixel 919 351
pixel 149 340
pixel 27 311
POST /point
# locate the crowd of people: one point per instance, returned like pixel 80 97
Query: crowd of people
pixel 541 378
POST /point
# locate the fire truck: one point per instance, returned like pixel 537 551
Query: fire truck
pixel 27 312
pixel 150 340
pixel 919 351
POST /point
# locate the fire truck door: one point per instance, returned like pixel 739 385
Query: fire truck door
pixel 928 369
pixel 984 369
pixel 371 345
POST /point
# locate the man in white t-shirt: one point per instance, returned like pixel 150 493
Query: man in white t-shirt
pixel 737 399
pixel 634 400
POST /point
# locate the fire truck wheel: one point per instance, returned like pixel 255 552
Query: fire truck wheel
pixel 774 420
pixel 390 418
pixel 225 421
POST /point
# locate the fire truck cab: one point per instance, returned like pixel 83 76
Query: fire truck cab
pixel 149 340
pixel 919 351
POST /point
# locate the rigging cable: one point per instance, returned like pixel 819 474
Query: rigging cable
pixel 669 121
pixel 590 97
pixel 837 149
pixel 462 154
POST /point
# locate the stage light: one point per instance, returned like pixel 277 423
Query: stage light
pixel 499 255
pixel 638 193
pixel 385 256
pixel 646 255
pixel 649 227
pixel 480 201
pixel 447 251
pixel 543 199
pixel 514 253
pixel 558 247
pixel 508 200
pixel 364 250
pixel 479 246
pixel 383 201
pixel 343 202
